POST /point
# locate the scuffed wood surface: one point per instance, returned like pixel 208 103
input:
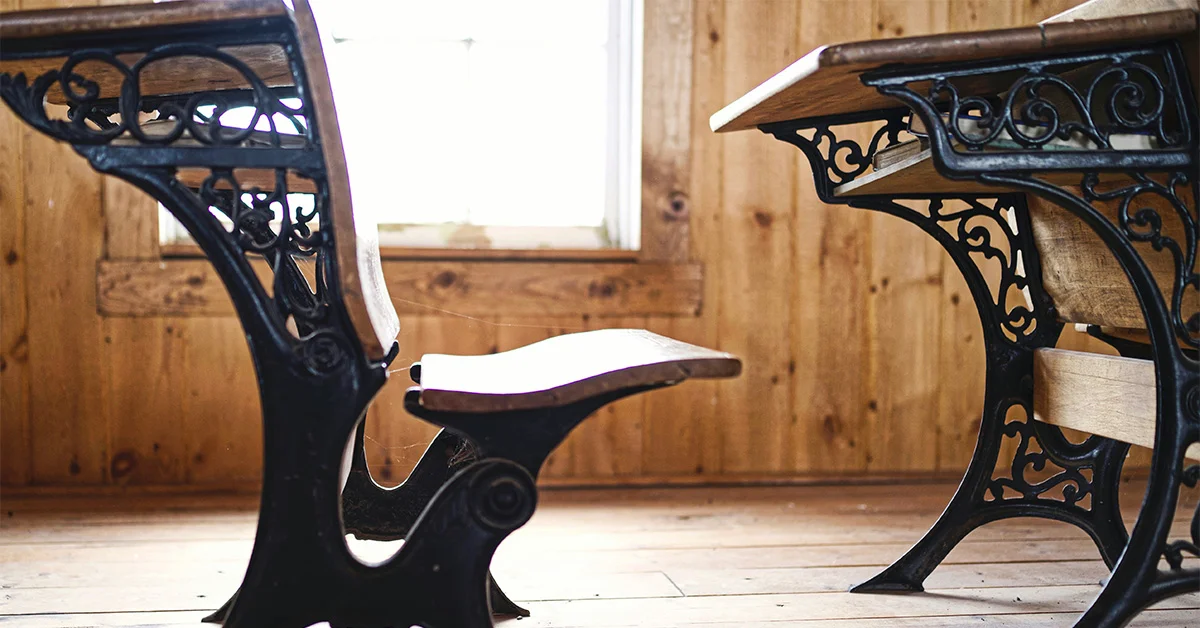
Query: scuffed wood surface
pixel 826 81
pixel 1106 395
pixel 60 22
pixel 652 558
pixel 193 288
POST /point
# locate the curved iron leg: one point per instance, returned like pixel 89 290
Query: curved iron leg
pixel 980 499
pixel 1136 581
pixel 370 511
pixel 1009 382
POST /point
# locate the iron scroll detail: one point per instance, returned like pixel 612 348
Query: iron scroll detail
pixel 239 167
pixel 1119 131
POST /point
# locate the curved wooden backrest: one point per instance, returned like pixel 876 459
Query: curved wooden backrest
pixel 356 234
pixel 1079 273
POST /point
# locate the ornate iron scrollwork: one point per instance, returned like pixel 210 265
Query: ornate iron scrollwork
pixel 1123 95
pixel 837 161
pixel 1144 223
pixel 270 218
pixel 1065 114
pixel 88 105
pixel 1074 484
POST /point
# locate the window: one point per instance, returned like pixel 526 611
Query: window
pixel 501 124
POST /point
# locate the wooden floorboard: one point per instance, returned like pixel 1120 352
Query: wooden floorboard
pixel 746 557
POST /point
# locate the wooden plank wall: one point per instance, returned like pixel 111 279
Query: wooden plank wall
pixel 863 352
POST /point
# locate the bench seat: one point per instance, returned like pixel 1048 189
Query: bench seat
pixel 563 370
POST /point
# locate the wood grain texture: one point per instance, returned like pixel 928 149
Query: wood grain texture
pixel 565 369
pixel 796 293
pixel 666 129
pixel 62 195
pixel 830 337
pixel 681 434
pixel 169 76
pixel 757 205
pixel 1095 9
pixel 15 455
pixel 1083 277
pixel 62 21
pixel 961 344
pixel 904 301
pixel 221 424
pixel 596 558
pixel 145 398
pixel 826 81
pixel 192 288
pixel 1098 394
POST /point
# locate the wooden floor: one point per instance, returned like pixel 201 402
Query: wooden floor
pixel 746 557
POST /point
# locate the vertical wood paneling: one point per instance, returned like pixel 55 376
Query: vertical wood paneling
pixel 222 416
pixel 14 345
pixel 681 433
pixel 666 129
pixel 67 406
pixel 829 292
pixel 905 290
pixel 754 303
pixel 142 357
pixel 67 409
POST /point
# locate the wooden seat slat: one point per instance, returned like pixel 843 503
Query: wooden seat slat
pixel 1099 394
pixel 565 369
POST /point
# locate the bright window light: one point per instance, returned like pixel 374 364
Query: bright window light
pixel 490 123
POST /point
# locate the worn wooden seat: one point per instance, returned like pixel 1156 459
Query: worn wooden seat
pixel 564 370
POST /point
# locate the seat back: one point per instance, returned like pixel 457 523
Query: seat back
pixel 355 233
pixel 1082 276
pixel 1078 271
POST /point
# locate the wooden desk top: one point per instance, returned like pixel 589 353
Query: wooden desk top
pixel 827 81
pixel 179 75
pixel 77 21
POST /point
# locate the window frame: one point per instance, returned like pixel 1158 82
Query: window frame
pixel 664 254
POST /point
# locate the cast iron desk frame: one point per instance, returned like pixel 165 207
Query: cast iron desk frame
pixel 1088 473
pixel 317 381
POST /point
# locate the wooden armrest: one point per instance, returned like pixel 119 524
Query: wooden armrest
pixel 565 369
pixel 1099 394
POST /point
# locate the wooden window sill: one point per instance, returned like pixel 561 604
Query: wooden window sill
pixel 480 287
pixel 192 251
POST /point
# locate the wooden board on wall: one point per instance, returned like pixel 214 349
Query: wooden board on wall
pixel 14 337
pixel 830 340
pixel 757 213
pixel 681 433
